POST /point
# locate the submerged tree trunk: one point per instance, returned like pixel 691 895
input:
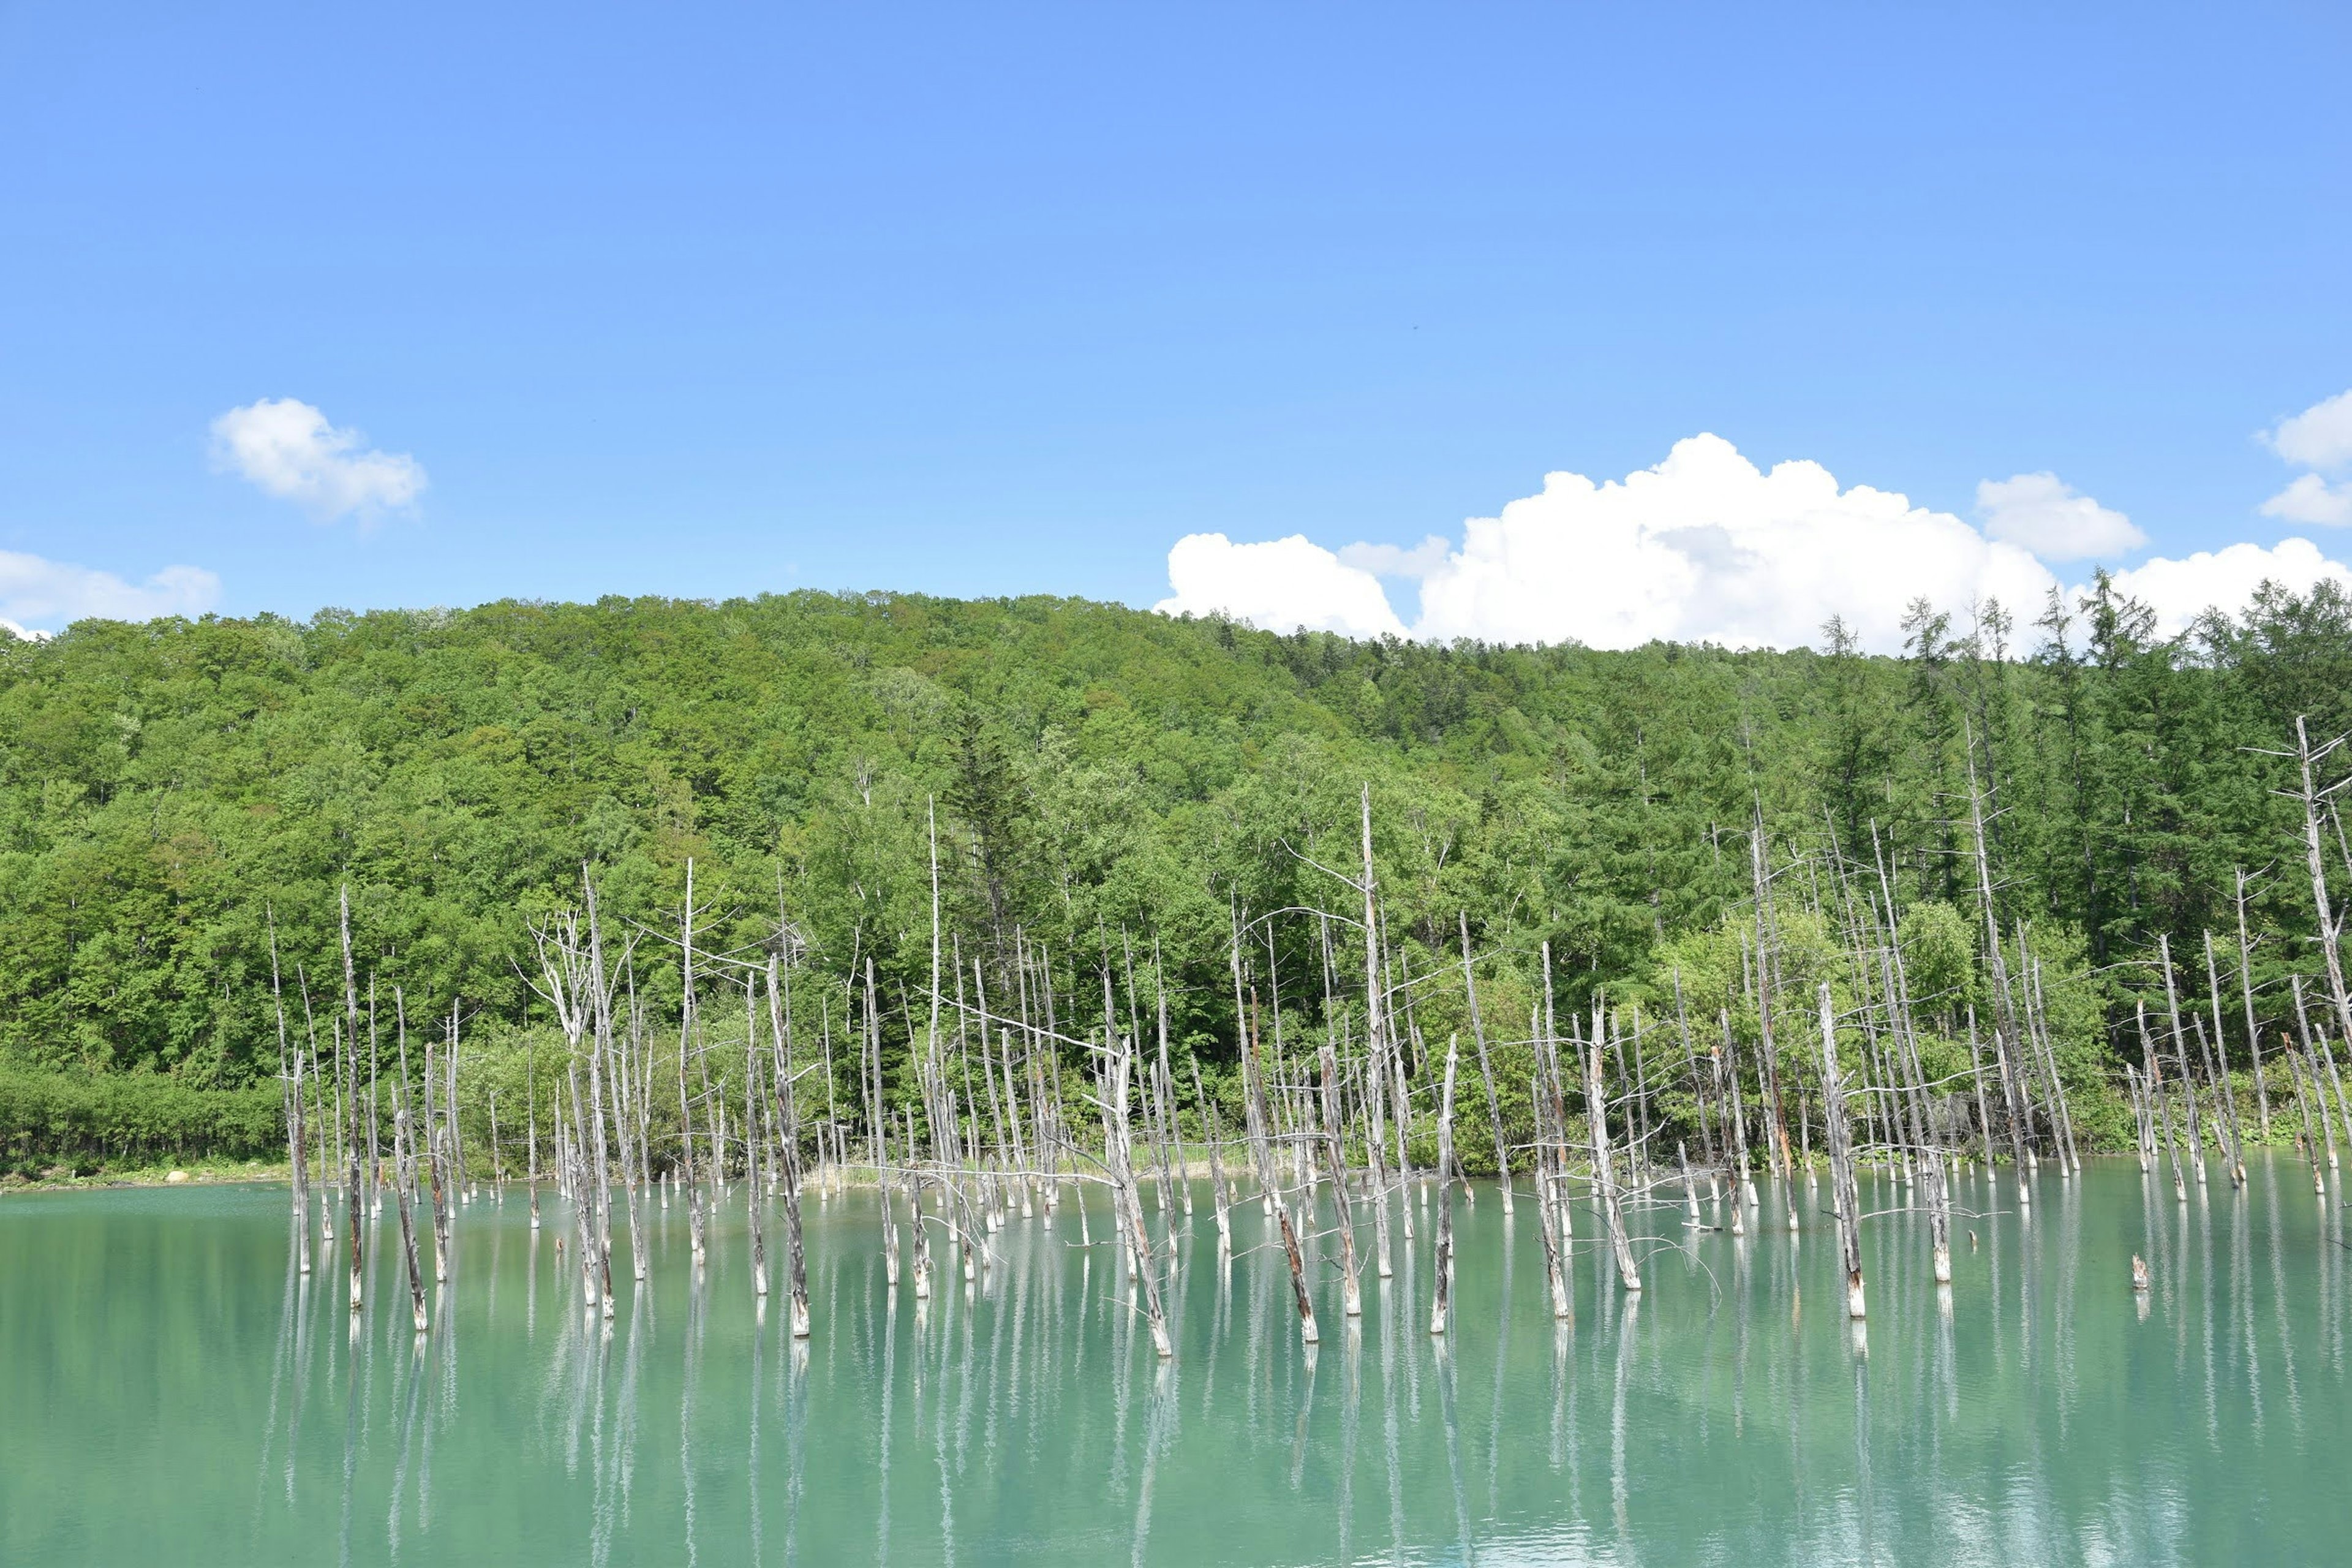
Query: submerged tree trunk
pixel 1486 1067
pixel 1842 1189
pixel 1440 1306
pixel 1604 1176
pixel 1352 1294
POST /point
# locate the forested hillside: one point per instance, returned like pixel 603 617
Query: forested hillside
pixel 1109 782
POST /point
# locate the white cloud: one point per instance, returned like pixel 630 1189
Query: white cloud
pixel 36 592
pixel 1282 585
pixel 288 449
pixel 2312 499
pixel 2041 513
pixel 1704 547
pixel 1392 560
pixel 1707 547
pixel 2318 437
pixel 2179 591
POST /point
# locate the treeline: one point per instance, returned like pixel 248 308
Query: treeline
pixel 86 1122
pixel 1111 788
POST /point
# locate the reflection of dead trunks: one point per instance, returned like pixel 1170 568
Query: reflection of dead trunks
pixel 1842 1190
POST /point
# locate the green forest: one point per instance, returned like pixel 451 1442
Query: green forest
pixel 1115 792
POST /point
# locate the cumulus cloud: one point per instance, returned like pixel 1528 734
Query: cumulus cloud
pixel 2179 591
pixel 287 447
pixel 2044 514
pixel 2311 499
pixel 1392 560
pixel 1707 547
pixel 2318 437
pixel 35 592
pixel 1285 585
pixel 1703 547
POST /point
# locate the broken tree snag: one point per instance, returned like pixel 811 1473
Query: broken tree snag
pixel 754 1205
pixel 1486 1067
pixel 1596 1116
pixel 1842 1190
pixel 2246 992
pixel 2303 1021
pixel 1218 1192
pixel 2310 1133
pixel 1253 1069
pixel 1113 1078
pixel 2005 1033
pixel 1440 1305
pixel 2331 931
pixel 351 1138
pixel 1351 1295
pixel 787 1114
pixel 1743 1189
pixel 403 1137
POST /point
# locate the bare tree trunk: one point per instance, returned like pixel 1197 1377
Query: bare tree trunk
pixel 787 1109
pixel 2329 932
pixel 404 1136
pixel 1596 1117
pixel 289 1089
pixel 1129 1198
pixel 352 1142
pixel 1842 1190
pixel 755 1201
pixel 1218 1192
pixel 1253 1069
pixel 1487 1068
pixel 1440 1306
pixel 1351 1288
pixel 2246 991
pixel 2163 1107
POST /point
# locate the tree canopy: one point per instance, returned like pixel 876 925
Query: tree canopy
pixel 172 793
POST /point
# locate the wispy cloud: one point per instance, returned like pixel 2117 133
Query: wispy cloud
pixel 287 447
pixel 39 595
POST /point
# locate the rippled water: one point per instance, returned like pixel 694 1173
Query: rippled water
pixel 171 1392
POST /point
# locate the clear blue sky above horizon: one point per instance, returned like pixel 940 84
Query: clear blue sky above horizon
pixel 710 301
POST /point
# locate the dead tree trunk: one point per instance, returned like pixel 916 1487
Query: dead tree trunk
pixel 1439 1307
pixel 1604 1176
pixel 1486 1067
pixel 1843 1188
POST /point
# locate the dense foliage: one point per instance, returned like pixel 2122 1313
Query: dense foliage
pixel 1106 781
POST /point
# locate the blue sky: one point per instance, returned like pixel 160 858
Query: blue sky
pixel 977 301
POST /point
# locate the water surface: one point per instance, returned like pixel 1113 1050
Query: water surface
pixel 170 1391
